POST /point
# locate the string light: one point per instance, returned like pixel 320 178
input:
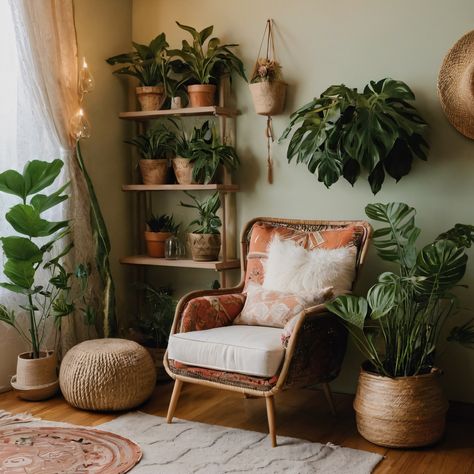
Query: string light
pixel 86 80
pixel 80 126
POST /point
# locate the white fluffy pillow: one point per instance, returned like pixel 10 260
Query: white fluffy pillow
pixel 293 269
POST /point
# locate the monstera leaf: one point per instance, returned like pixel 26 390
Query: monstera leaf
pixel 352 309
pixel 396 242
pixel 344 131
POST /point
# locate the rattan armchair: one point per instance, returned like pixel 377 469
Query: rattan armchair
pixel 314 350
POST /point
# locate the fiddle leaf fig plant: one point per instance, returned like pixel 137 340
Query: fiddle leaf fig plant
pixel 398 324
pixel 40 248
pixel 345 131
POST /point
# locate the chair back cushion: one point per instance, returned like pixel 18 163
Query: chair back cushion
pixel 262 234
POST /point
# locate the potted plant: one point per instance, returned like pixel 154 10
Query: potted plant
pixel 148 64
pixel 205 240
pixel 203 65
pixel 267 89
pixel 397 326
pixel 34 255
pixel 344 131
pixel 154 147
pixel 153 325
pixel 183 162
pixel 208 156
pixel 158 229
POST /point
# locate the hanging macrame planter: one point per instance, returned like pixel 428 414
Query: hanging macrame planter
pixel 267 89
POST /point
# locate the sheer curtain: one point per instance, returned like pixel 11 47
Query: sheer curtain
pixel 38 97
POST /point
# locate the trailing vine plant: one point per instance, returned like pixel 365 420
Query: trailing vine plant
pixel 344 132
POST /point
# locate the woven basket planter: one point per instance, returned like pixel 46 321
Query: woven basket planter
pixel 205 247
pixel 268 97
pixel 107 374
pixel 402 412
pixel 154 171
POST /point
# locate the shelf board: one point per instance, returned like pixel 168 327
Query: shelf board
pixel 184 263
pixel 181 187
pixel 190 111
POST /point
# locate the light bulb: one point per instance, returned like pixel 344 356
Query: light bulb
pixel 80 126
pixel 86 80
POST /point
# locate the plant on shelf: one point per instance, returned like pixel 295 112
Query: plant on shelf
pixel 154 147
pixel 344 131
pixel 158 229
pixel 208 155
pixel 205 240
pixel 398 326
pixel 37 253
pixel 149 64
pixel 153 325
pixel 203 65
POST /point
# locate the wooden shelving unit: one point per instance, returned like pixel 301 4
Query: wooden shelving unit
pixel 141 116
pixel 183 263
pixel 143 199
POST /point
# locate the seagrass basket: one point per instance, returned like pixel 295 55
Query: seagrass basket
pixel 401 412
pixel 268 97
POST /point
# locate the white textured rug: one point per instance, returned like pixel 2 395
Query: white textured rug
pixel 186 447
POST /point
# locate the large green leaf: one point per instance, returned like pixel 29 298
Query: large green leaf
pixel 12 182
pixel 382 297
pixel 442 264
pixel 41 202
pixel 26 220
pixel 352 309
pixel 40 174
pixel 20 272
pixel 396 242
pixel 21 248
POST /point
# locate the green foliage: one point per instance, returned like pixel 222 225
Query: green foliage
pixel 208 221
pixel 156 321
pixel 162 223
pixel 184 146
pixel 155 143
pixel 25 258
pixel 397 326
pixel 344 131
pixel 148 63
pixel 205 65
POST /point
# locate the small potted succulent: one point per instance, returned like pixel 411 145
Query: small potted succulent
pixel 205 240
pixel 267 89
pixel 148 64
pixel 154 146
pixel 158 229
pixel 398 327
pixel 202 66
pixel 183 161
pixel 210 155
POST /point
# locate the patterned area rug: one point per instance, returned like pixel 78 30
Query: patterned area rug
pixel 185 447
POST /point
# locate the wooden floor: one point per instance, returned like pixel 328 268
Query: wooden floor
pixel 301 413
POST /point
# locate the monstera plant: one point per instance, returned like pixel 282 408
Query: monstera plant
pixel 345 131
pixel 397 326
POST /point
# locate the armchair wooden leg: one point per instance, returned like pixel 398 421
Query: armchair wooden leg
pixel 178 384
pixel 271 420
pixel 329 399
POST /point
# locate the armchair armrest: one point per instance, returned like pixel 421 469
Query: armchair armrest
pixel 208 309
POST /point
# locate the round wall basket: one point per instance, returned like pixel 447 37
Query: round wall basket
pixel 456 85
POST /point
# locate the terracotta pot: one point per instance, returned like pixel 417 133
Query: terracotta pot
pixel 205 247
pixel 268 97
pixel 151 97
pixel 201 95
pixel 36 379
pixel 401 412
pixel 154 171
pixel 183 170
pixel 155 243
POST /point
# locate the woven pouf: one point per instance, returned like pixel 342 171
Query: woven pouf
pixel 107 374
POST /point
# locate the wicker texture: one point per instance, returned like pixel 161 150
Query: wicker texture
pixel 456 85
pixel 268 97
pixel 107 374
pixel 404 412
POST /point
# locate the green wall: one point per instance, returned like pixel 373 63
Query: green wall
pixel 321 43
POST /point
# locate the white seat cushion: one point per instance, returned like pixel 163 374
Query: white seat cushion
pixel 251 350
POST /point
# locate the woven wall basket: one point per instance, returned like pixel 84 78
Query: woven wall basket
pixel 403 412
pixel 268 97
